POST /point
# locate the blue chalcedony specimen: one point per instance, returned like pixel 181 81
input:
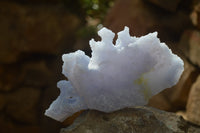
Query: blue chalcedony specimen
pixel 116 76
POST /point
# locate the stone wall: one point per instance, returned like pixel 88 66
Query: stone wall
pixel 34 35
pixel 32 39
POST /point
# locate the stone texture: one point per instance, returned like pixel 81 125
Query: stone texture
pixel 175 98
pixel 161 101
pixel 47 124
pixel 169 5
pixel 195 15
pixel 8 126
pixel 180 91
pixel 190 45
pixel 182 113
pixel 71 119
pixel 34 29
pixel 2 102
pixel 194 48
pixel 184 42
pixel 36 1
pixel 133 120
pixel 8 80
pixel 36 74
pixel 193 105
pixel 143 18
pixel 22 105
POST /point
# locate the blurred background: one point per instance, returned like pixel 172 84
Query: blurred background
pixel 35 33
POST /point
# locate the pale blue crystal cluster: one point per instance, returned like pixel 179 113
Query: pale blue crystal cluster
pixel 116 76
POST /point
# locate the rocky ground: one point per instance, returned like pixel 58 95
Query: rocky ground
pixel 132 120
pixel 34 35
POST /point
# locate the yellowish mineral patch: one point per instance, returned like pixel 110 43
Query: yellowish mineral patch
pixel 146 91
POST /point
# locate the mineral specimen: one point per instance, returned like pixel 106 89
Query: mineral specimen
pixel 116 76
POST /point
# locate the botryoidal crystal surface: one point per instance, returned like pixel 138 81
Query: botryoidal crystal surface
pixel 115 76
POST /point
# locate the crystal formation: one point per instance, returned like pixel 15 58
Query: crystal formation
pixel 116 76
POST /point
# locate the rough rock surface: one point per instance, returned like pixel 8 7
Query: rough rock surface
pixel 184 42
pixel 24 104
pixel 8 80
pixel 194 45
pixel 8 126
pixel 2 102
pixel 143 18
pixel 36 1
pixel 36 74
pixel 32 35
pixel 33 29
pixel 132 120
pixel 195 14
pixel 190 45
pixel 193 105
pixel 166 4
